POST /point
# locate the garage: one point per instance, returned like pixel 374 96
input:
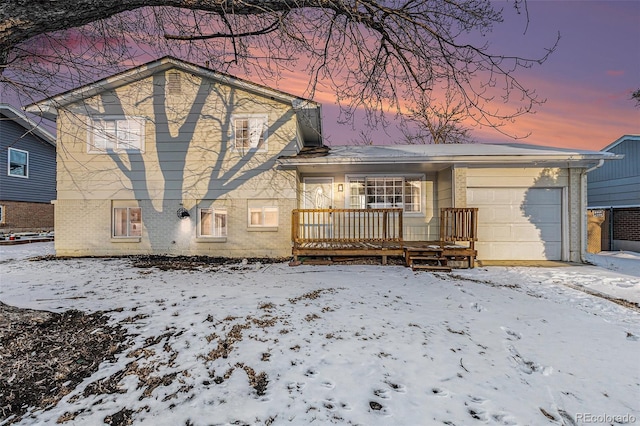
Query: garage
pixel 518 223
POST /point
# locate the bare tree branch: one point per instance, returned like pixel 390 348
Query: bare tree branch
pixel 383 56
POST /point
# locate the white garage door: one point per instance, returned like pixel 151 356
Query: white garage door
pixel 518 223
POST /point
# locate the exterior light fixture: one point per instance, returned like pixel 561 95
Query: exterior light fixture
pixel 340 187
pixel 183 213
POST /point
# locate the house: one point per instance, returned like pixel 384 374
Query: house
pixel 614 199
pixel 529 199
pixel 28 184
pixel 173 158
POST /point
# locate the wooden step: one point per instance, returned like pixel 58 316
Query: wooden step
pixel 443 268
pixel 412 251
pixel 438 258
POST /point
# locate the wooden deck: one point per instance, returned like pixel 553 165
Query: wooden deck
pixel 331 233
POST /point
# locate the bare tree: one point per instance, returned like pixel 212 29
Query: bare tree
pixel 435 122
pixel 636 97
pixel 380 55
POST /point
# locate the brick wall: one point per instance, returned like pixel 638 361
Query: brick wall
pixel 83 227
pixel 26 217
pixel 626 224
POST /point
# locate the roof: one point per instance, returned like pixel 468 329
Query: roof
pixel 30 125
pixel 308 111
pixel 620 140
pixel 450 153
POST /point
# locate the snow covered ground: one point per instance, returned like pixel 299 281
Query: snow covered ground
pixel 353 344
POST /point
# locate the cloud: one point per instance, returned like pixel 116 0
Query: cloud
pixel 615 73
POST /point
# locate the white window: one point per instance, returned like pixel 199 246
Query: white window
pixel 116 134
pixel 250 132
pixel 18 163
pixel 1 214
pixel 371 192
pixel 127 221
pixel 263 216
pixel 213 223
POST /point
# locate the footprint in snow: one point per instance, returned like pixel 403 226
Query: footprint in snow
pixel 396 387
pixel 327 384
pixel 512 335
pixel 381 393
pixel 311 373
pixel 478 307
pixel 478 414
pixel 504 419
pixel 295 386
pixel 525 365
pixel 477 399
pixel 378 408
pixel 329 404
pixel 439 392
pixel 625 285
pixel 345 406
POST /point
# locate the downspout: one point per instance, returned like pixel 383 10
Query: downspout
pixel 583 202
pixel 611 228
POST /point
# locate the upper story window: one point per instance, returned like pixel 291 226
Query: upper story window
pixel 116 134
pixel 250 132
pixel 18 163
pixel 371 192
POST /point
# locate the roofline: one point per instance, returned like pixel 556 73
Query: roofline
pixel 28 123
pixel 586 159
pixel 628 206
pixel 620 140
pixel 48 106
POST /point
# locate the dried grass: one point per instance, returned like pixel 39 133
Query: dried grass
pixel 44 355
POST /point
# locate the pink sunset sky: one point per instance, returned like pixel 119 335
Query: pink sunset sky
pixel 587 82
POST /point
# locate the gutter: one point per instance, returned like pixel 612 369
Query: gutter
pixel 468 159
pixel 600 163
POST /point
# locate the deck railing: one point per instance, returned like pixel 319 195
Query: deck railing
pixel 346 226
pixel 459 224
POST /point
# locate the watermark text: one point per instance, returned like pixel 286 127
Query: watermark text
pixel 605 418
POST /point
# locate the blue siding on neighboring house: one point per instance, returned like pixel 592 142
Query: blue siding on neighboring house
pixel 617 182
pixel 40 186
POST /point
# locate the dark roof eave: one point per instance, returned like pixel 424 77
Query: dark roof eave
pixel 27 123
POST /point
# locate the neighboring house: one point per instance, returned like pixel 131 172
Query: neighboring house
pixel 614 198
pixel 173 158
pixel 28 181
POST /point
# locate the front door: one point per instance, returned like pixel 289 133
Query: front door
pixel 317 193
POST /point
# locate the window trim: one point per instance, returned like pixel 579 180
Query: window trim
pixel 212 237
pixel 92 128
pixel 127 237
pixel 419 177
pixel 2 214
pixel 26 166
pixel 265 133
